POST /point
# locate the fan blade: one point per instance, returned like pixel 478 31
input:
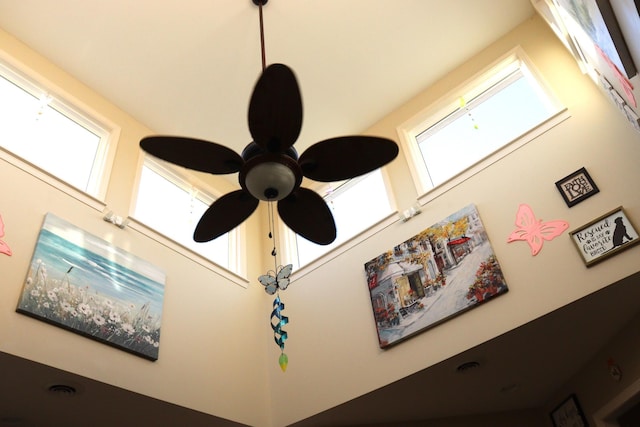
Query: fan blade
pixel 275 110
pixel 194 154
pixel 225 214
pixel 345 157
pixel 307 214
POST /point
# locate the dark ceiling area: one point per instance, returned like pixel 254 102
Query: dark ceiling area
pixel 516 371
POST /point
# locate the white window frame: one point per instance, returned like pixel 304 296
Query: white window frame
pixel 408 131
pixel 289 244
pixel 237 268
pixel 80 113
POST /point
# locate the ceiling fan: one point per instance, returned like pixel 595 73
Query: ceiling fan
pixel 269 167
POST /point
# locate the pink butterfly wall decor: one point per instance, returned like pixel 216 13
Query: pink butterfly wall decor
pixel 535 231
pixel 4 248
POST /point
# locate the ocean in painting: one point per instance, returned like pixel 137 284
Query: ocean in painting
pixel 84 284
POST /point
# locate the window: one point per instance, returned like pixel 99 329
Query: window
pixel 51 134
pixel 477 121
pixel 356 205
pixel 171 206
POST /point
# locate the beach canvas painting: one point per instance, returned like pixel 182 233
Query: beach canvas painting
pixel 439 273
pixel 84 284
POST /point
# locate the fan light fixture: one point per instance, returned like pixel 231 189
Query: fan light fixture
pixel 270 181
pixel 269 177
pixel 269 167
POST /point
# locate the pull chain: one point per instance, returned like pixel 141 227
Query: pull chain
pixel 272 235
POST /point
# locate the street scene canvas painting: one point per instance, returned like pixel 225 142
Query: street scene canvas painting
pixel 439 273
pixel 86 285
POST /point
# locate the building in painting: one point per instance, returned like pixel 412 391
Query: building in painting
pixel 396 290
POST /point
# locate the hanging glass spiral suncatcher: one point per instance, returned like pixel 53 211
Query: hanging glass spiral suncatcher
pixel 275 281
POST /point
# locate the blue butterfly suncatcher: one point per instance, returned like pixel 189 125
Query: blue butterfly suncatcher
pixel 273 281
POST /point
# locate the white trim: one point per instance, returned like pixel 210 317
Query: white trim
pixel 179 177
pixel 470 88
pixel 237 264
pixel 291 241
pixel 79 112
pixel 551 15
pixel 186 252
pixel 439 190
pixel 51 180
pixel 606 416
pixel 345 246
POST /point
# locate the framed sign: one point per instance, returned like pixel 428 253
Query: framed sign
pixel 604 236
pixel 569 414
pixel 576 187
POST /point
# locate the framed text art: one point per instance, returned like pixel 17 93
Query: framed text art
pixel 576 187
pixel 82 283
pixel 439 273
pixel 604 236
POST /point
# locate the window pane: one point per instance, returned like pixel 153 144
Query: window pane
pixel 35 131
pixel 479 122
pixel 174 211
pixel 356 206
pixel 481 129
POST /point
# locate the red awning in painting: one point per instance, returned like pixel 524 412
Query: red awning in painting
pixel 459 241
pixel 373 281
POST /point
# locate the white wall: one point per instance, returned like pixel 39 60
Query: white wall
pixel 217 353
pixel 212 355
pixel 333 347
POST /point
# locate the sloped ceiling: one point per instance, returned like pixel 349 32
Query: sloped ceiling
pixel 188 68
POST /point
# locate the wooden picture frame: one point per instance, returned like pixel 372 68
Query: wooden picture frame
pixel 569 414
pixel 577 187
pixel 605 236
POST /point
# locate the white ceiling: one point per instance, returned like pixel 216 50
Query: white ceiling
pixel 188 68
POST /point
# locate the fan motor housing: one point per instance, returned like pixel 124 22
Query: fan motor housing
pixel 270 176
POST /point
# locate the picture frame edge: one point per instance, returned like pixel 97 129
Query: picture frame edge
pixel 571 203
pixel 611 253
